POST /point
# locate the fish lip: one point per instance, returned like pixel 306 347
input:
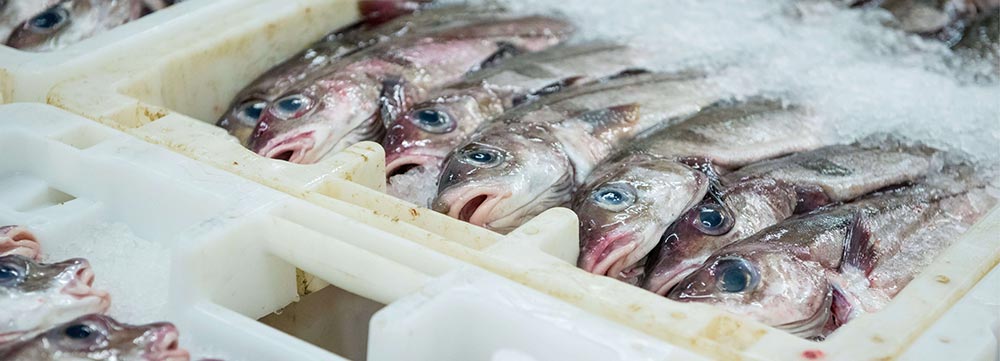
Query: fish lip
pixel 598 262
pixel 165 346
pixel 483 211
pixel 81 288
pixel 300 144
pixel 394 163
pixel 670 279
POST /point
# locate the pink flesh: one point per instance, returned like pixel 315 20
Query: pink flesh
pixel 297 145
pixel 475 209
pixel 610 250
pixel 165 346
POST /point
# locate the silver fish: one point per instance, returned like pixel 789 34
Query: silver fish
pixel 423 136
pixel 18 240
pixel 98 337
pixel 38 295
pixel 532 158
pixel 810 274
pixel 246 108
pixel 944 20
pixel 14 12
pixel 330 111
pixel 627 204
pixel 763 194
pixel 70 21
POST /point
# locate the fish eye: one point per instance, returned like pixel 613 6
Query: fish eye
pixel 432 120
pixel 10 274
pixel 614 197
pixel 79 331
pixel 292 106
pixel 250 111
pixel 735 275
pixel 49 21
pixel 712 219
pixel 481 157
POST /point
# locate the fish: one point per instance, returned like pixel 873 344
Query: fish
pixel 810 274
pixel 943 20
pixel 625 206
pixel 248 105
pixel 37 295
pixel 71 21
pixel 533 157
pixel 14 12
pixel 763 194
pixel 99 337
pixel 424 135
pixel 18 240
pixel 361 92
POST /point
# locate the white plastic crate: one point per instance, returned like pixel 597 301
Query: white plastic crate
pixel 172 94
pixel 28 76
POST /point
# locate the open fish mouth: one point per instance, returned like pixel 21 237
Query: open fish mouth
pixel 15 240
pixel 166 346
pixel 295 148
pixel 609 254
pixel 477 208
pixel 404 163
pixel 662 285
pixel 81 287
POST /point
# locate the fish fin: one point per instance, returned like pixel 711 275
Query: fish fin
pixel 859 251
pixel 504 51
pixel 842 308
pixel 548 89
pixel 810 198
pixel 815 325
pixel 712 173
pixel 612 118
pixel 393 99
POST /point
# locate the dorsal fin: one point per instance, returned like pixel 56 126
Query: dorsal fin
pixel 810 197
pixel 548 89
pixel 392 100
pixel 504 50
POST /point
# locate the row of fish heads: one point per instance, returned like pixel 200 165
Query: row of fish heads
pixel 50 311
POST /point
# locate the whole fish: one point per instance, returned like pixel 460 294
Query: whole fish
pixel 98 337
pixel 39 295
pixel 533 157
pixel 809 274
pixel 70 21
pixel 627 204
pixel 18 240
pixel 246 108
pixel 763 194
pixel 363 91
pixel 14 12
pixel 423 136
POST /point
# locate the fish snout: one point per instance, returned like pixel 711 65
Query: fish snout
pixel 474 206
pixel 82 282
pixel 165 343
pixel 606 254
pixel 400 163
pixel 293 147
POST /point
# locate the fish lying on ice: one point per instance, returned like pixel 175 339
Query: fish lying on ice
pixel 631 199
pixel 534 156
pixel 98 337
pixel 38 295
pixel 763 194
pixel 423 136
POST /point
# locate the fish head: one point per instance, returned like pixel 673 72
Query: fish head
pixel 71 21
pixel 624 212
pixel 318 117
pixel 18 240
pixel 42 294
pixel 99 337
pixel 505 176
pixel 767 282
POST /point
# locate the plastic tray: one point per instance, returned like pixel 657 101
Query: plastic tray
pixel 28 76
pixel 172 96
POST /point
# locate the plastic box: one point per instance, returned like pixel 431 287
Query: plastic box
pixel 171 93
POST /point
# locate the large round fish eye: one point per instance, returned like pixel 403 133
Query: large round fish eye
pixel 292 106
pixel 734 275
pixel 10 273
pixel 79 331
pixel 712 219
pixel 481 157
pixel 432 120
pixel 49 21
pixel 614 197
pixel 250 111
